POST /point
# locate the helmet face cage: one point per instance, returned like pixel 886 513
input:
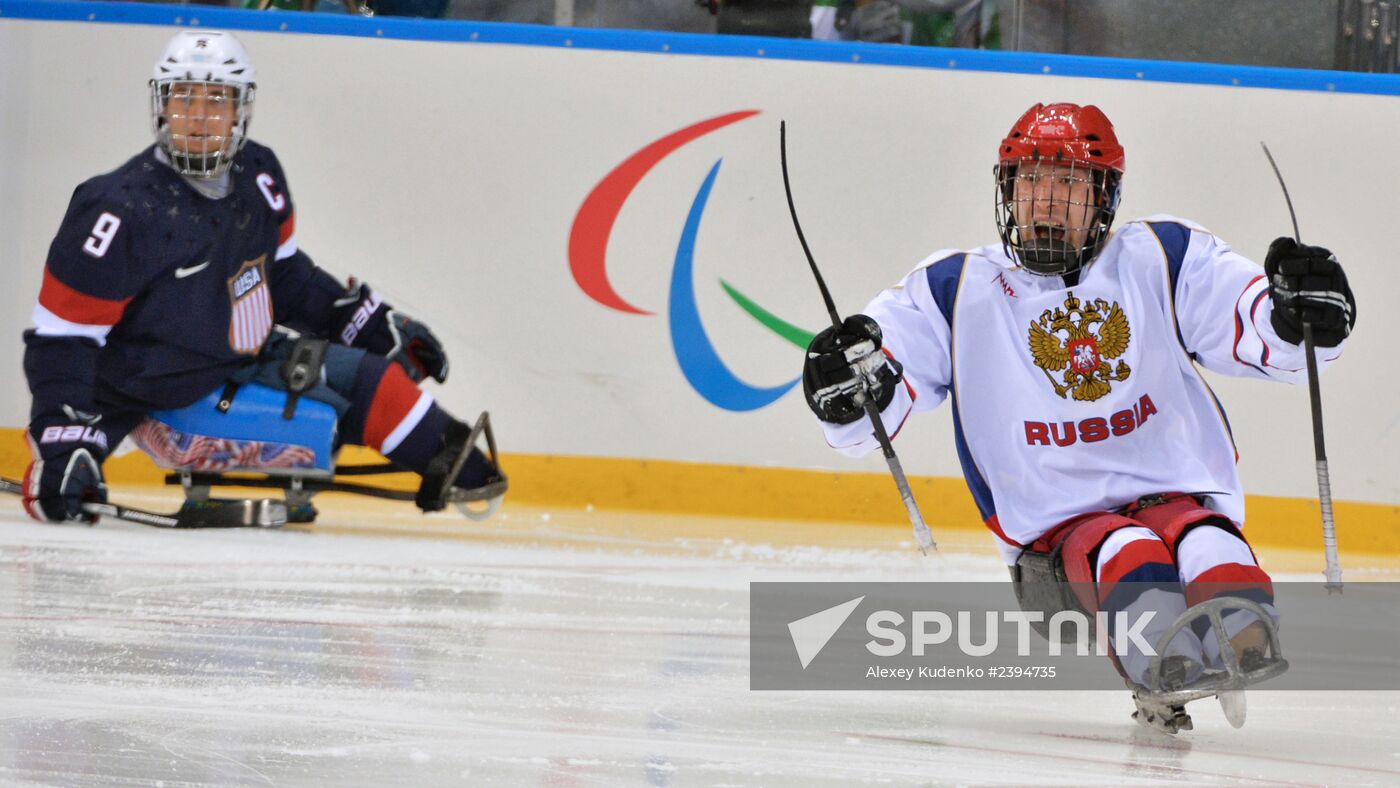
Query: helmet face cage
pixel 201 124
pixel 1068 207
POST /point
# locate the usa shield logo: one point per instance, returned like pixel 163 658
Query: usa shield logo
pixel 251 302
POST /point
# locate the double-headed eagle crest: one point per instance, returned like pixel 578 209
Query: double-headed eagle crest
pixel 1065 339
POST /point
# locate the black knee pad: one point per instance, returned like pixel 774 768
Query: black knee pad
pixel 1042 586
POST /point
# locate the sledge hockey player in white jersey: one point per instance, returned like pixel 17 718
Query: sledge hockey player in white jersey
pixel 1095 451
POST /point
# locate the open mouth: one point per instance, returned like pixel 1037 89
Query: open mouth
pixel 1044 232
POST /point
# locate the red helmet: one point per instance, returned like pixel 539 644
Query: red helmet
pixel 1066 132
pixel 1060 134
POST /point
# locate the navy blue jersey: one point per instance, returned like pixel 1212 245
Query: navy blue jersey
pixel 154 294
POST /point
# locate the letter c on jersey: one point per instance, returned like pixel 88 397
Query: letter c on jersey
pixel 268 187
pixel 588 240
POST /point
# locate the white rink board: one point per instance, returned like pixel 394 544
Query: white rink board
pixel 448 175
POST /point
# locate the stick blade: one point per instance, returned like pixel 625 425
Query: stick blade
pixel 232 513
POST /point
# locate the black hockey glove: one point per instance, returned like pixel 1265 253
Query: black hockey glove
pixel 367 322
pixel 845 367
pixel 1307 284
pixel 67 470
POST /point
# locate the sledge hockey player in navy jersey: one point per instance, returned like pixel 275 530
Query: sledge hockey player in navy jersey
pixel 172 276
pixel 1092 446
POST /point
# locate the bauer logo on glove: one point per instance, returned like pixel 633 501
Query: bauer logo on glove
pixel 845 368
pixel 367 322
pixel 67 469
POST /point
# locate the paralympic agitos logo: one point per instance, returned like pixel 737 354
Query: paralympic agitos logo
pixel 699 361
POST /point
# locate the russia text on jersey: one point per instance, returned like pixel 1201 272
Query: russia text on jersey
pixel 1092 430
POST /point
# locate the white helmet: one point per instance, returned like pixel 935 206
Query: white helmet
pixel 202 64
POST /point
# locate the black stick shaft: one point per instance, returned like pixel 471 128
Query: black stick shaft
pixel 922 535
pixel 1333 572
pixel 107 509
pixel 801 238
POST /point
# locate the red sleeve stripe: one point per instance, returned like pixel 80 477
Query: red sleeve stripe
pixel 287 238
pixel 1253 319
pixel 1264 356
pixel 1253 314
pixel 1239 323
pixel 72 306
pixel 913 397
pixel 289 228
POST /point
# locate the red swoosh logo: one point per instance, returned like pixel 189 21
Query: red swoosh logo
pixel 588 240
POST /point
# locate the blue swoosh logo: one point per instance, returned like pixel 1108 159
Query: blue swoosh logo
pixel 695 354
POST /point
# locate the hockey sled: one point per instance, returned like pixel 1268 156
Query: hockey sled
pixel 253 440
pixel 1162 704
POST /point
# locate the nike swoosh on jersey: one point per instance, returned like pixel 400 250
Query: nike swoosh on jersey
pixel 181 273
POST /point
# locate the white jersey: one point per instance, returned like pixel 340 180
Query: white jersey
pixel 1069 400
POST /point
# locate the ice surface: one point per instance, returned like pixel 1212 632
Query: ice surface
pixel 540 651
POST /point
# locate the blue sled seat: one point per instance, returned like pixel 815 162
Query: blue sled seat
pixel 251 436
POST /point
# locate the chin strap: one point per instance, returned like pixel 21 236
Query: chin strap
pixel 1048 257
pixel 215 188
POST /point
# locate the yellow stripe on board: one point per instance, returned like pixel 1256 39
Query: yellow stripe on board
pixel 787 494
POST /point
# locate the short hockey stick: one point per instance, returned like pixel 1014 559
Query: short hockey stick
pixel 1333 572
pixel 218 514
pixel 922 535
